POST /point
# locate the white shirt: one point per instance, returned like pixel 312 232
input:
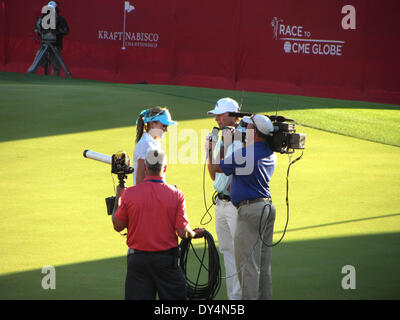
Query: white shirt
pixel 222 181
pixel 145 143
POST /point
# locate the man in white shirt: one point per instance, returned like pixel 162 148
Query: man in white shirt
pixel 225 211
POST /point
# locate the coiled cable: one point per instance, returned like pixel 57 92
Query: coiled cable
pixel 196 289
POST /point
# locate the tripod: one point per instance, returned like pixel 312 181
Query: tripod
pixel 45 51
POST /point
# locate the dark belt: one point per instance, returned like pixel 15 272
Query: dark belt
pixel 171 251
pixel 244 202
pixel 223 196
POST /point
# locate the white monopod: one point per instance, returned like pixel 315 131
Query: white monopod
pixel 97 156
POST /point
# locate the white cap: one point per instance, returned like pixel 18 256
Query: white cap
pixel 52 4
pixel 154 157
pixel 246 119
pixel 262 123
pixel 225 105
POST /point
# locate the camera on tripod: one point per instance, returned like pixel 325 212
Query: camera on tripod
pixel 120 165
pixel 51 28
pixel 48 36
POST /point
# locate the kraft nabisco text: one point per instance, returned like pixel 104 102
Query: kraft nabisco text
pixel 131 36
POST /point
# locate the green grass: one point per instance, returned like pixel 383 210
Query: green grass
pixel 344 193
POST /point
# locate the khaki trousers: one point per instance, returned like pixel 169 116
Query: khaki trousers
pixel 225 226
pixel 253 257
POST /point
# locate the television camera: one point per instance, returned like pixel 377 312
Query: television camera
pixel 48 46
pixel 284 139
pixel 120 165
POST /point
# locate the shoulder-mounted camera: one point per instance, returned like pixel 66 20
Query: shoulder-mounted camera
pixel 284 138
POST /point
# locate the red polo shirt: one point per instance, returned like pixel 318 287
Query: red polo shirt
pixel 153 211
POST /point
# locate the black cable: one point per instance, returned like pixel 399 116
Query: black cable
pixel 260 232
pixel 204 198
pixel 197 290
pixel 207 212
pixel 209 290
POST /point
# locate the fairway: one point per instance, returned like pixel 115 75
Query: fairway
pixel 344 193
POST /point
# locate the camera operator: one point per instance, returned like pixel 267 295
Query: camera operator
pixel 256 213
pixel 60 31
pixel 225 211
pixel 155 215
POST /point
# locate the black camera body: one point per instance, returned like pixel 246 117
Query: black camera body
pixel 120 164
pixel 46 35
pixel 285 139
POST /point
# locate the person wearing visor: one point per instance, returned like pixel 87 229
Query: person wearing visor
pixel 251 169
pixel 150 128
pixel 225 211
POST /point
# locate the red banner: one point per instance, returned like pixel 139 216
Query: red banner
pixel 334 48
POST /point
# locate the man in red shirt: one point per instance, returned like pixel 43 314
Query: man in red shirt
pixel 154 214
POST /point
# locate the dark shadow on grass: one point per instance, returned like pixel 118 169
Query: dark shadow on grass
pixel 310 269
pixel 339 222
pixel 98 280
pixel 36 106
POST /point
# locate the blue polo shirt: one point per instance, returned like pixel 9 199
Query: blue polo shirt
pixel 251 169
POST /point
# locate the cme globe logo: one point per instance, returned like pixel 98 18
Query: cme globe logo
pixel 287 47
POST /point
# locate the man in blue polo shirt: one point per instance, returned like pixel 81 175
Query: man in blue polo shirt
pixel 251 168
